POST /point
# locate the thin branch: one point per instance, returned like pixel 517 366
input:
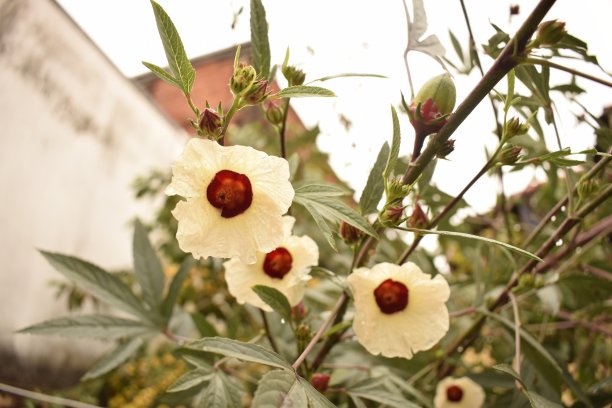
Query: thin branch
pixel 264 318
pixel 45 398
pixel 547 63
pixel 517 336
pixel 283 130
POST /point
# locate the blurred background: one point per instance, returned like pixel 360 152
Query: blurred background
pixel 82 120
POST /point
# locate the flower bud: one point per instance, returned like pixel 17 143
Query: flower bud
pixel 257 92
pixel 210 122
pixel 350 234
pixel 274 113
pixel 514 127
pixel 303 333
pixel 320 381
pixel 293 75
pixel 550 32
pixel 243 78
pixel 298 312
pixel 447 148
pixel 587 187
pixel 418 218
pixel 434 101
pixel 396 191
pixel 510 154
pixel 391 215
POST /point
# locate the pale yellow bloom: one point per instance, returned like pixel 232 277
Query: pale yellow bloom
pixel 286 269
pixel 399 310
pixel 234 200
pixel 458 393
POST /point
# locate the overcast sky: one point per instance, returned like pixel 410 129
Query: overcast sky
pixel 334 36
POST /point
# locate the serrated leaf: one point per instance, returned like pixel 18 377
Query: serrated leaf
pixel 321 223
pixel 319 190
pixel 147 268
pixel 535 400
pixel 347 75
pixel 259 39
pixel 175 288
pixel 315 398
pixel 477 238
pixel 302 91
pixel 456 46
pixel 113 359
pixel 90 326
pixel 242 351
pixel 335 210
pixel 204 327
pixel 375 186
pixel 99 283
pixel 275 299
pixel 162 74
pixel 395 146
pixel 181 67
pixel 215 395
pixel 279 389
pixel 191 379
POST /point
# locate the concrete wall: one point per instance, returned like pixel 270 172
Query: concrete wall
pixel 74 134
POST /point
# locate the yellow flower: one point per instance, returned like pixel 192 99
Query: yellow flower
pixel 458 393
pixel 234 200
pixel 399 310
pixel 286 268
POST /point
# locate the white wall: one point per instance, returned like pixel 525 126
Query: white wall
pixel 74 133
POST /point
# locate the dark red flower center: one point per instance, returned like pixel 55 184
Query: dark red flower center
pixel 277 263
pixel 454 393
pixel 231 192
pixel 391 296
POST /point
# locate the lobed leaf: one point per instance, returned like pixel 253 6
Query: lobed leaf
pixel 259 39
pixel 99 283
pixel 90 326
pixel 279 389
pixel 242 351
pixel 175 288
pixel 162 74
pixel 315 398
pixel 113 359
pixel 191 379
pixel 181 67
pixel 395 146
pixel 147 268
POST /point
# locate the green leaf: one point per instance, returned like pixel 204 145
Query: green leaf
pixel 147 268
pixel 175 288
pixel 275 299
pixel 335 210
pixel 204 327
pixel 583 290
pixel 346 75
pixel 382 396
pixel 319 190
pixel 510 96
pixel 395 146
pixel 99 283
pixel 321 223
pixel 279 389
pixel 242 351
pixel 259 39
pixel 375 186
pixel 191 379
pixel 535 400
pixel 90 326
pixel 477 238
pixel 180 65
pixel 162 74
pixel 315 398
pixel 456 46
pixel 215 395
pixel 113 359
pixel 301 91
pixel 530 342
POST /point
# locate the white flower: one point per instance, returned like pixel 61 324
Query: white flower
pixel 399 310
pixel 286 269
pixel 458 393
pixel 234 200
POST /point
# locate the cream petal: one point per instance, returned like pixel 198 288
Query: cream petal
pixel 418 327
pixel 194 169
pixel 473 394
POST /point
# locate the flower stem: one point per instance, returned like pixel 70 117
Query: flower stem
pixel 264 318
pixel 547 63
pixel 44 398
pixel 283 129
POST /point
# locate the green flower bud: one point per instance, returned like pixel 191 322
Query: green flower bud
pixel 418 218
pixel 587 188
pixel 210 122
pixel 514 127
pixel 434 101
pixel 391 215
pixel 293 75
pixel 274 113
pixel 510 154
pixel 243 78
pixel 550 32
